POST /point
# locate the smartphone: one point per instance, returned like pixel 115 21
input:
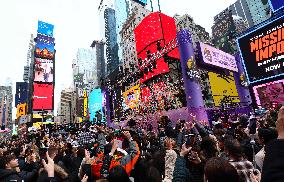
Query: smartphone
pixel 189 140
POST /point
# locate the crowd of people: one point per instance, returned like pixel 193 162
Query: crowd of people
pixel 250 149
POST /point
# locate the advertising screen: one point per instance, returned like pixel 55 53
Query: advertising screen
pixel 262 51
pixel 223 88
pixel 270 93
pixel 21 95
pixel 43 70
pixel 215 57
pixel 131 97
pixel 43 97
pixel 276 4
pixel 45 28
pixel 95 105
pixel 44 51
pixel 148 34
pixel 45 39
pixel 143 2
pixel 21 110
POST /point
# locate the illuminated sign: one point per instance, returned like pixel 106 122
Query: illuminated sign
pixel 45 39
pixel 131 97
pixel 45 28
pixel 95 103
pixel 269 93
pixel 223 88
pixel 262 51
pixel 21 95
pixel 44 51
pixel 43 97
pixel 43 70
pixel 85 107
pixel 21 110
pixel 276 5
pixel 152 44
pixel 215 57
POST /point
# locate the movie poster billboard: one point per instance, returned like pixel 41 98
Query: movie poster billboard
pixel 44 51
pixel 223 89
pixel 44 71
pixel 215 57
pixel 131 98
pixel 262 51
pixel 43 97
pixel 269 94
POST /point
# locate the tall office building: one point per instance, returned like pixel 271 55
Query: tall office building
pixel 85 65
pixel 30 57
pixel 67 106
pixel 198 33
pixel 128 45
pixel 99 48
pixel 6 100
pixel 252 11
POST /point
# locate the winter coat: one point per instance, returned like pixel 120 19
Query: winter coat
pixel 181 173
pixel 59 175
pixel 170 160
pixel 273 165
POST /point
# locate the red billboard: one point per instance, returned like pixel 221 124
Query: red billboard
pixel 43 97
pixel 155 36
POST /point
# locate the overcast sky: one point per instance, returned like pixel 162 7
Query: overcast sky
pixel 76 26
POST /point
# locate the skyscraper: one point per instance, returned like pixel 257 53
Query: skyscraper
pixel 6 100
pixel 99 48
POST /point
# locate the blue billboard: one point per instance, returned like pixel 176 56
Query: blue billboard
pixel 45 28
pixel 143 2
pixel 21 95
pixel 276 5
pixel 96 105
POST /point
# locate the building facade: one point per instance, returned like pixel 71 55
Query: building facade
pixel 6 101
pixel 99 48
pixel 67 106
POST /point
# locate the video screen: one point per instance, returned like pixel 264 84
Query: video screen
pixel 269 94
pixel 43 70
pixel 131 98
pixel 44 51
pixel 43 97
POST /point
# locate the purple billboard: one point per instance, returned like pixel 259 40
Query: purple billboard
pixel 217 58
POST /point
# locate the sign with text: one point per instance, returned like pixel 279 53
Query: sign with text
pixel 215 57
pixel 262 51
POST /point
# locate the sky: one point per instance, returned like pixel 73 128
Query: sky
pixel 76 26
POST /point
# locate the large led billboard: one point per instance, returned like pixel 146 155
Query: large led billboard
pixel 45 28
pixel 223 88
pixel 155 36
pixel 45 39
pixel 96 105
pixel 270 93
pixel 276 5
pixel 131 97
pixel 262 51
pixel 21 95
pixel 215 57
pixel 43 70
pixel 44 51
pixel 43 97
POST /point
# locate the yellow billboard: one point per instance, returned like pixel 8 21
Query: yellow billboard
pixel 21 110
pixel 223 88
pixel 131 97
pixel 85 106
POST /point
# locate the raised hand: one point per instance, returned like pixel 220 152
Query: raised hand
pixel 49 166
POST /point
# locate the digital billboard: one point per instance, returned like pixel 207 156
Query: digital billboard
pixel 276 5
pixel 215 57
pixel 262 51
pixel 45 39
pixel 151 40
pixel 96 105
pixel 43 70
pixel 43 97
pixel 223 88
pixel 21 95
pixel 45 28
pixel 131 97
pixel 270 93
pixel 44 51
pixel 21 110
